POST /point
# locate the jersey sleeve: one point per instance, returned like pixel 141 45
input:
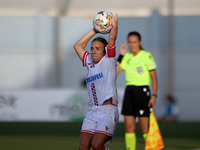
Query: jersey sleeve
pixel 85 55
pixel 150 63
pixel 110 50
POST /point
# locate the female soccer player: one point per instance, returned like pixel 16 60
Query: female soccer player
pixel 139 67
pixel 100 122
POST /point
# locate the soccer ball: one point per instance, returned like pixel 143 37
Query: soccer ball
pixel 102 22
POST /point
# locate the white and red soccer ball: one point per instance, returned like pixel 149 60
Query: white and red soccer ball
pixel 102 22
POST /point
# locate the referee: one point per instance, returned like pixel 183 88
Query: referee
pixel 139 67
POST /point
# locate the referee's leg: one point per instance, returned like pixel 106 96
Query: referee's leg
pixel 144 124
pixel 130 136
pixel 129 124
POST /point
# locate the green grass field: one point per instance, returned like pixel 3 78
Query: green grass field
pixel 65 136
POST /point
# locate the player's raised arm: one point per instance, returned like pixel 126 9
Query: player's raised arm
pixel 114 30
pixel 81 44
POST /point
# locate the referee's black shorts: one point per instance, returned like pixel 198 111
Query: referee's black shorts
pixel 135 102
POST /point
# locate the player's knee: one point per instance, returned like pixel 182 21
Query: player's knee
pixel 83 147
pixel 96 146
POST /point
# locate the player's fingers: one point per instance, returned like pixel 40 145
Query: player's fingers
pixel 112 15
pixel 116 16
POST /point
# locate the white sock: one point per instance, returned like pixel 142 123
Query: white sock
pixel 106 148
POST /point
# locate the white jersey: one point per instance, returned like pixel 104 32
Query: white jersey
pixel 101 79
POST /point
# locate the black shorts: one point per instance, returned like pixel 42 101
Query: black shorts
pixel 135 102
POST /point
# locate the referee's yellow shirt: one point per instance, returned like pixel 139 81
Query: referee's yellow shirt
pixel 137 68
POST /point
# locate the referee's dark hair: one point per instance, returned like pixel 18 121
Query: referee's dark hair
pixel 135 33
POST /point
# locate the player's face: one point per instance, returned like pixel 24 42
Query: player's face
pixel 134 43
pixel 97 51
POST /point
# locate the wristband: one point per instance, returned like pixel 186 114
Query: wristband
pixel 120 58
pixel 154 95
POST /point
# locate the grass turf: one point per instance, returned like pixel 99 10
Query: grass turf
pixel 65 136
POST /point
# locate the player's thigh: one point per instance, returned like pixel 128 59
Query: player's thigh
pixel 99 140
pixel 129 124
pixel 90 122
pixel 144 124
pixel 85 140
pixel 108 120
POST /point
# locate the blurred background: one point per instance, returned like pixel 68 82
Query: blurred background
pixel 41 76
pixel 43 98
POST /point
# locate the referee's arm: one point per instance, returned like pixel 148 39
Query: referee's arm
pixel 122 53
pixel 119 69
pixel 154 88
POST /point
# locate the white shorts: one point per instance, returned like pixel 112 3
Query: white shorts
pixel 101 119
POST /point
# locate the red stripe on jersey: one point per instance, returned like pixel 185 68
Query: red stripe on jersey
pixel 85 58
pixel 111 51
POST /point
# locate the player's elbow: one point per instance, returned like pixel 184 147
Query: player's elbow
pixel 76 46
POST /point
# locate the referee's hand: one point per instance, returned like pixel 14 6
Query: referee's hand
pixel 152 102
pixel 123 49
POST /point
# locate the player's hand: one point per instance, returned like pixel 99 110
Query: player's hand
pixel 123 49
pixel 152 102
pixel 95 31
pixel 114 20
